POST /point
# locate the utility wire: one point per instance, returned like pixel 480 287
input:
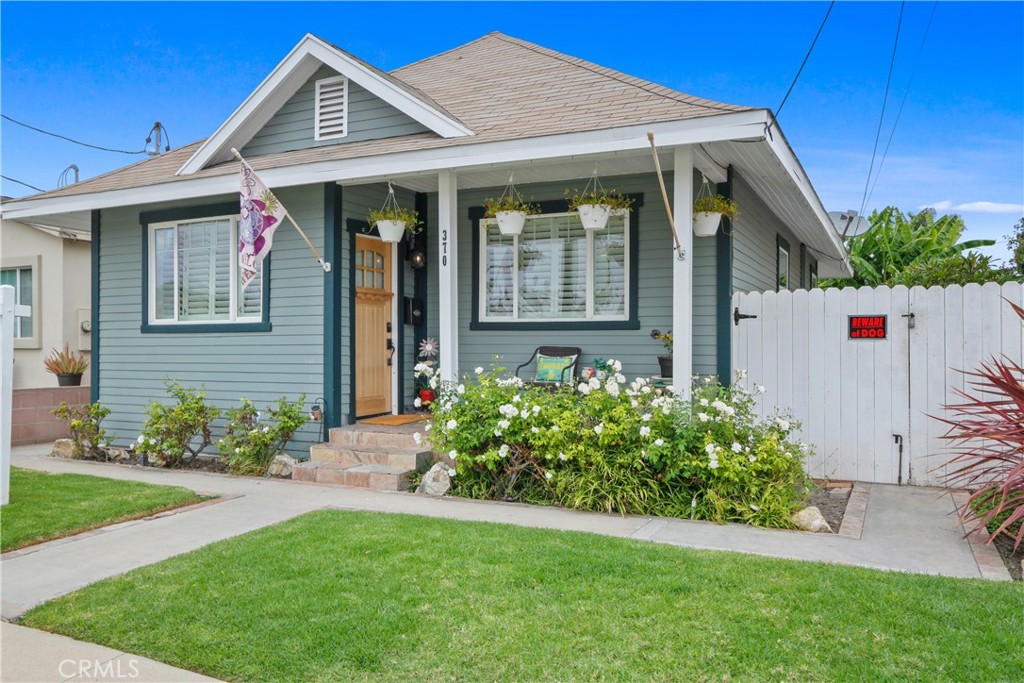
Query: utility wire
pixel 913 73
pixel 37 189
pixel 885 99
pixel 806 57
pixel 64 137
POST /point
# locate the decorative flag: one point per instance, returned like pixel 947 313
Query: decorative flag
pixel 261 214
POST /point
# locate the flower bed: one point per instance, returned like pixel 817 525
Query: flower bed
pixel 606 445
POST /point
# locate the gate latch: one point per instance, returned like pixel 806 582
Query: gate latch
pixel 737 316
pixel 911 318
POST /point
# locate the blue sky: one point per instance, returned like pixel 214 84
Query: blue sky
pixel 104 72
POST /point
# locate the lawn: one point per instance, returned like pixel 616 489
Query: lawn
pixel 47 506
pixel 336 595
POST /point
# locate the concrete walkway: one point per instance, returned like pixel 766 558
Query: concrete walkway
pixel 905 529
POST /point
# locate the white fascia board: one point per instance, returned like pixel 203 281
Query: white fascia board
pixel 286 78
pixel 748 125
pixel 784 153
pixel 703 162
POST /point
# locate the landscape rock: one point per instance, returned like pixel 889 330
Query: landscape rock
pixel 282 466
pixel 437 480
pixel 115 454
pixel 811 519
pixel 63 448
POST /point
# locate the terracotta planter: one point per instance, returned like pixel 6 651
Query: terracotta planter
pixel 427 397
pixel 510 222
pixel 391 231
pixel 666 365
pixel 594 216
pixel 64 380
pixel 705 223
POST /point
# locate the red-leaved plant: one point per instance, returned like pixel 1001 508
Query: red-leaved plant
pixel 988 436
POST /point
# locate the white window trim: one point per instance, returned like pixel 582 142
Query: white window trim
pixel 235 319
pixel 514 318
pixel 32 262
pixel 317 135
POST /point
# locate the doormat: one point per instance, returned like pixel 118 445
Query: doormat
pixel 394 420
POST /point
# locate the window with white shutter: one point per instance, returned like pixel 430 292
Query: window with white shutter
pixel 555 270
pixel 331 108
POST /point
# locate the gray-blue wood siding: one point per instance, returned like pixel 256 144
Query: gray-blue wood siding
pixel 754 244
pixel 261 366
pixel 292 127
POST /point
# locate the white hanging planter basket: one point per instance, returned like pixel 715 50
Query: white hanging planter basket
pixel 391 231
pixel 510 222
pixel 705 223
pixel 594 216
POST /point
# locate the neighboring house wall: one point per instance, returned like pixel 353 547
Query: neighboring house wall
pixel 754 243
pixel 637 351
pixel 292 127
pixel 261 366
pixel 61 286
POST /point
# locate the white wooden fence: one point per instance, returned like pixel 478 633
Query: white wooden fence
pixel 866 405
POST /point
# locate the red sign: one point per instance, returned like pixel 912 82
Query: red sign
pixel 867 326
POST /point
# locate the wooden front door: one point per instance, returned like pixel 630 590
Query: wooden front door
pixel 373 326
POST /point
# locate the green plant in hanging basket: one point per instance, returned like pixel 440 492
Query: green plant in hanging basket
pixel 616 201
pixel 396 213
pixel 508 202
pixel 716 204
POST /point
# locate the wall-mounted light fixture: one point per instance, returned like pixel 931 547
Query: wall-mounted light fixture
pixel 418 258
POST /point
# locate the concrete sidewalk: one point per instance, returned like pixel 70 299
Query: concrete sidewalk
pixel 904 529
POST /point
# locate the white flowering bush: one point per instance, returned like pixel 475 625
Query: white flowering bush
pixel 608 445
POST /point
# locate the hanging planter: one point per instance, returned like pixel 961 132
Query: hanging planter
pixel 392 221
pixel 509 210
pixel 708 210
pixel 595 205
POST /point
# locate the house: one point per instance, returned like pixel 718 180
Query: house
pixel 48 266
pixel 328 132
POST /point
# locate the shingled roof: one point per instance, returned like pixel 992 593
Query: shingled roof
pixel 500 87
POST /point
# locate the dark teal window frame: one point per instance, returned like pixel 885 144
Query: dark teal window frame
pixel 147 218
pixel 476 214
pixel 782 243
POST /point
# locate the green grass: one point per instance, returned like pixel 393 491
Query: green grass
pixel 47 506
pixel 348 596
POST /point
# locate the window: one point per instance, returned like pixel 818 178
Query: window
pixel 21 279
pixel 555 271
pixel 194 275
pixel 331 108
pixel 813 279
pixel 782 265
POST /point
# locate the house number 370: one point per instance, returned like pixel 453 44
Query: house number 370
pixel 444 248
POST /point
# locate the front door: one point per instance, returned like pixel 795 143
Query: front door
pixel 373 326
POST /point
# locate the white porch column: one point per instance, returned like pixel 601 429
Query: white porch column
pixel 447 264
pixel 682 272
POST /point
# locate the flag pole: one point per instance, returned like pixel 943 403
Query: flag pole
pixel 323 264
pixel 664 196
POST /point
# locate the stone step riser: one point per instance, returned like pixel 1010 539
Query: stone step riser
pixel 359 437
pixel 350 457
pixel 377 481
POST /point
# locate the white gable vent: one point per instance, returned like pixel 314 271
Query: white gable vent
pixel 331 108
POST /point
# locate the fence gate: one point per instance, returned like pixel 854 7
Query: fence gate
pixel 863 369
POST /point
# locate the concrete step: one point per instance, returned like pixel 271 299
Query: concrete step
pixel 375 477
pixel 377 435
pixel 350 456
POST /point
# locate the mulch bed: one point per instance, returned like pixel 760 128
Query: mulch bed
pixel 832 503
pixel 1012 560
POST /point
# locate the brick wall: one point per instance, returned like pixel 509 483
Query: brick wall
pixel 31 421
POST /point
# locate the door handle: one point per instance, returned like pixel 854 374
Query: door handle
pixel 391 349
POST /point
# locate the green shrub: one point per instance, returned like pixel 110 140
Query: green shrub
pixel 250 443
pixel 176 434
pixel 84 424
pixel 612 447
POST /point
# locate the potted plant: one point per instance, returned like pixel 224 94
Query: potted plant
pixel 708 211
pixel 68 365
pixel 392 221
pixel 424 372
pixel 664 361
pixel 510 212
pixel 597 205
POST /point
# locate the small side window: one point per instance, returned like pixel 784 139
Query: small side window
pixel 782 266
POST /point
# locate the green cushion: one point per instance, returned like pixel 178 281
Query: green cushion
pixel 549 368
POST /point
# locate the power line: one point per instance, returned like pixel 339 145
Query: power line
pixel 899 111
pixel 885 99
pixel 37 189
pixel 806 57
pixel 64 137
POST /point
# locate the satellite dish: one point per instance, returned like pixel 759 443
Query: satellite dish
pixel 848 223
